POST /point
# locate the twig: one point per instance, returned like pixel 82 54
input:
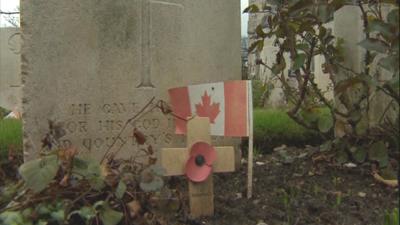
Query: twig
pixel 124 127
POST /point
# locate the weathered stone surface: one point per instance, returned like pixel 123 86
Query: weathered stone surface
pixel 91 65
pixel 10 75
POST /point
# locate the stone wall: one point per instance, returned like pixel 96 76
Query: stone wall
pixel 10 76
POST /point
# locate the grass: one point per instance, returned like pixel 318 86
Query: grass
pixel 10 136
pixel 273 127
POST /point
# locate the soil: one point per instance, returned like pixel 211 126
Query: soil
pixel 298 186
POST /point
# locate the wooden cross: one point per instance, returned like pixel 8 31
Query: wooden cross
pixel 173 160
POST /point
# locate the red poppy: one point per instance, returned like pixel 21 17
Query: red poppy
pixel 199 165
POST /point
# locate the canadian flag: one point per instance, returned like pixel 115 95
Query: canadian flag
pixel 227 104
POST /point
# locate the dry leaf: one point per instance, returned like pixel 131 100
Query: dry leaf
pixel 64 181
pixel 390 183
pixel 139 136
pixel 135 208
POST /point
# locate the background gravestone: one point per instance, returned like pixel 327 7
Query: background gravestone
pixel 10 75
pixel 92 64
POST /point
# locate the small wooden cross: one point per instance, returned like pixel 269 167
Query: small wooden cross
pixel 173 160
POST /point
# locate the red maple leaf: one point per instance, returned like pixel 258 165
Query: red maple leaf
pixel 206 109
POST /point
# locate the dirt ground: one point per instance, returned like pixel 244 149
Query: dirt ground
pixel 290 187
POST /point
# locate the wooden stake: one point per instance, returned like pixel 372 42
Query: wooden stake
pixel 250 153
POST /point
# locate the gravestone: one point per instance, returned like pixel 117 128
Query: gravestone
pixel 91 65
pixel 10 75
pixel 348 25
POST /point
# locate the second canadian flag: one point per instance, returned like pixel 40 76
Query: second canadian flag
pixel 227 104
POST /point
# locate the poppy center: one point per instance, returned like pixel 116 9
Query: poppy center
pixel 200 160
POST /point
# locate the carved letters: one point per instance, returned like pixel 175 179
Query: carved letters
pixel 84 117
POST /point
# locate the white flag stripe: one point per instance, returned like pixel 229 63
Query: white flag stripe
pixel 250 107
pixel 216 93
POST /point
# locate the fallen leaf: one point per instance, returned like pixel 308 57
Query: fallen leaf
pixel 390 183
pixel 350 165
pixel 139 136
pixel 362 194
pixel 260 163
pixel 134 208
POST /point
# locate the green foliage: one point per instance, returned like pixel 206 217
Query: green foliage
pixel 392 218
pixel 61 187
pixel 41 214
pixel 273 127
pixel 38 173
pixel 151 178
pixel 10 136
pixel 298 30
pixel 107 214
pixel 86 213
pixel 378 152
pixel 90 170
pixel 259 90
pixel 120 190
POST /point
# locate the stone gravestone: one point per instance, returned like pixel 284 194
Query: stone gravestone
pixel 10 75
pixel 91 65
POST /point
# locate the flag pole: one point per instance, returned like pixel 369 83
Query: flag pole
pixel 250 152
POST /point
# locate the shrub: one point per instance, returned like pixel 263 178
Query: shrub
pixel 258 91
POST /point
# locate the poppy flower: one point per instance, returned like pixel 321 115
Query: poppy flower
pixel 199 165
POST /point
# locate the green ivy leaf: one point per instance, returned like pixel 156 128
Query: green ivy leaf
pixel 58 215
pixel 393 17
pixel 259 44
pixel 13 218
pixel 303 47
pixel 373 44
pixel 107 215
pixel 42 222
pixel 277 68
pixel 86 213
pixel 378 152
pixel 380 27
pixel 90 170
pixel 260 32
pixel 120 190
pixel 362 126
pixel 342 156
pixel 157 170
pixel 154 185
pixel 359 154
pixel 390 63
pixel 325 123
pixel 251 9
pixel 38 173
pixel 325 147
pixel 299 61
